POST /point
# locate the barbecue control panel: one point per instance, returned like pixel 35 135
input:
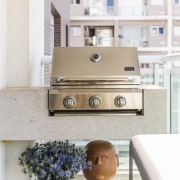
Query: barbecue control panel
pixel 84 101
pixel 70 102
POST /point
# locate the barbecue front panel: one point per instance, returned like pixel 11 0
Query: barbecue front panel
pixel 87 99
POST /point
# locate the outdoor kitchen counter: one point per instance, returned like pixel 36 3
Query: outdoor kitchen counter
pixel 24 116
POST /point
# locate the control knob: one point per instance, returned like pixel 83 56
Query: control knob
pixel 69 102
pixel 119 101
pixel 95 57
pixel 94 101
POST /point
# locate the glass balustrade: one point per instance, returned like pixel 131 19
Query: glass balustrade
pixel 175 101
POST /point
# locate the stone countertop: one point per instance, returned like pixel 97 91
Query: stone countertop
pixel 24 116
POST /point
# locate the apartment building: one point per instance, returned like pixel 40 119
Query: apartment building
pixel 152 26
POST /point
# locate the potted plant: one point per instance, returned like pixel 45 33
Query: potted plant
pixel 56 160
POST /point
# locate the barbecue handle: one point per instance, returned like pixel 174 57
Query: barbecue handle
pixel 124 79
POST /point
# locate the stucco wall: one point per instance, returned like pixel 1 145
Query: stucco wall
pixel 18 46
pixel 24 116
pixel 2 161
pixel 3 43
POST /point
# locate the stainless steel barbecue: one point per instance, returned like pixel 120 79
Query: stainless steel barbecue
pixel 95 80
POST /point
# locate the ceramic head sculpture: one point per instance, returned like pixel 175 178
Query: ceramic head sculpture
pixel 104 160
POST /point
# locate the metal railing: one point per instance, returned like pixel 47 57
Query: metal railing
pixel 99 11
pixel 132 11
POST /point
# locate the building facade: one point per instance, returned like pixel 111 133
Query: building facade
pixel 152 26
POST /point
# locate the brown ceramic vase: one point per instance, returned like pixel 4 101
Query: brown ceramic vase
pixel 104 160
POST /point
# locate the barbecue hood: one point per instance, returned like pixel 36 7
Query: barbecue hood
pixel 95 64
pixel 100 80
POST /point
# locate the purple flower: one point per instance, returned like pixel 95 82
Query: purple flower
pixel 42 174
pixel 54 160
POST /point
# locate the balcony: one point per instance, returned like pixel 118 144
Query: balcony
pixel 132 11
pixel 99 41
pixel 99 11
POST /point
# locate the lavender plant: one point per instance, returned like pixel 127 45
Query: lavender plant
pixel 56 160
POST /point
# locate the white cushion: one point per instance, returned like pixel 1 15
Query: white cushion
pixel 157 156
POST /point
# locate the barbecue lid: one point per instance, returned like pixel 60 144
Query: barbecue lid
pixel 94 64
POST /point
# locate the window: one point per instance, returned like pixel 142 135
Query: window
pixel 157 30
pixel 157 2
pixel 133 36
pixel 177 2
pixel 75 30
pixel 99 35
pixel 176 30
pixel 110 2
pixel 130 8
pixel 75 1
pixel 98 8
pixel 161 30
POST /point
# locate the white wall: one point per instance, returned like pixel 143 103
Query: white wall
pixel 10 152
pixel 2 161
pixel 3 43
pixel 25 42
pixel 18 43
pixel 36 40
pixel 13 152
